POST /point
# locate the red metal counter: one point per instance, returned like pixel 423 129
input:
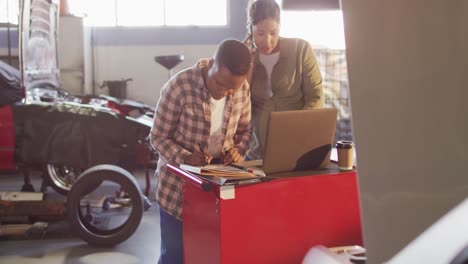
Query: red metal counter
pixel 275 221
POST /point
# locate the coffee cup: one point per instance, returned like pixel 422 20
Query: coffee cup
pixel 345 154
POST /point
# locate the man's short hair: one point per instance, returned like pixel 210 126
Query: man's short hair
pixel 233 55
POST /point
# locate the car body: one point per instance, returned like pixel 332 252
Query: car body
pixel 44 127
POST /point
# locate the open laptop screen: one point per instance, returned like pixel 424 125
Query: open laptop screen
pixel 299 140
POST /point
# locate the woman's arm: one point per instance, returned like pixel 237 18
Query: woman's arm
pixel 312 88
pixel 243 133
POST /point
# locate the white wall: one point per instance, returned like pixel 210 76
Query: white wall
pixel 72 43
pixel 407 65
pixel 137 62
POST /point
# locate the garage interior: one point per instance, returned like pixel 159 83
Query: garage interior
pixel 396 73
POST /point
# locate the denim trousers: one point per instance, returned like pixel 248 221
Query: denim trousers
pixel 171 239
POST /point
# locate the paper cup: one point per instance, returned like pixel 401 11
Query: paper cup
pixel 345 154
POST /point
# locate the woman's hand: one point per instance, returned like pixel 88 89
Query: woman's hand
pixel 250 43
pixel 203 62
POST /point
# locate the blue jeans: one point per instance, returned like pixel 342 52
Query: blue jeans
pixel 171 239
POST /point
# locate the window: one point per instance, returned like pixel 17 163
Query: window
pixel 200 12
pixel 323 29
pixel 152 12
pixel 9 11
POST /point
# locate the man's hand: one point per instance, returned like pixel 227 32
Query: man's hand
pixel 232 155
pixel 198 158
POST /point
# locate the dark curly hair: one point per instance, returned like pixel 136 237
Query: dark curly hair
pixel 233 55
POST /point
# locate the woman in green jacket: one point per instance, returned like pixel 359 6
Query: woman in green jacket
pixel 285 76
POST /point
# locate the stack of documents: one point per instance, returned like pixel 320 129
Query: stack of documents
pixel 219 170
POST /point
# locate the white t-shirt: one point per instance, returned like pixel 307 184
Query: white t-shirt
pixel 269 61
pixel 215 145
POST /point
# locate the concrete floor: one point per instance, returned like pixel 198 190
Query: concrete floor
pixel 142 247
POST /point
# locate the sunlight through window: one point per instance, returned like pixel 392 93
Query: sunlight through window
pixel 201 13
pixel 98 13
pixel 140 13
pixel 323 29
pixel 152 12
pixel 9 11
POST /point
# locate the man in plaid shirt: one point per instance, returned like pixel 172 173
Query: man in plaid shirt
pixel 203 114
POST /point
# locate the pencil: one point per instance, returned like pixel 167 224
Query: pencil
pixel 208 157
pixel 251 170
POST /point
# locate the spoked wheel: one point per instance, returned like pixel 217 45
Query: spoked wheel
pixel 105 205
pixel 61 178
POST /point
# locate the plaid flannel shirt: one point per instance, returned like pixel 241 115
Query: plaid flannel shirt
pixel 182 124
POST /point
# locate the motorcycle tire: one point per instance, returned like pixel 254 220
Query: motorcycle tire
pixel 86 183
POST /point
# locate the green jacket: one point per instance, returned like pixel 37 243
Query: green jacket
pixel 296 83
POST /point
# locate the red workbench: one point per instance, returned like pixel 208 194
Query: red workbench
pixel 275 221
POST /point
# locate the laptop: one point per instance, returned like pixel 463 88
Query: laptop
pixel 299 140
